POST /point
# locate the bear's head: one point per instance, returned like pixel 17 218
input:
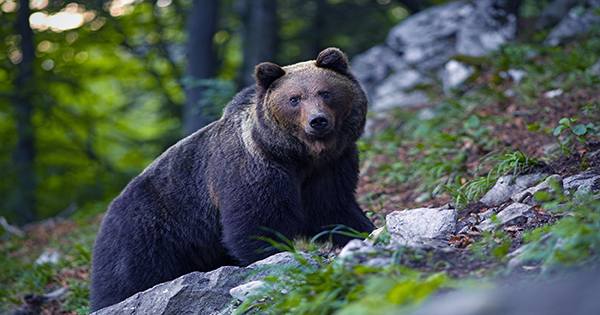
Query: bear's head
pixel 313 109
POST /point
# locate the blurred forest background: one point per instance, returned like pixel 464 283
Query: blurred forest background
pixel 92 91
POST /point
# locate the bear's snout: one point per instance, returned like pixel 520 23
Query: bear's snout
pixel 319 125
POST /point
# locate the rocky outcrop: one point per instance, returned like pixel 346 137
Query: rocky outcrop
pixel 417 50
pixel 507 186
pixel 581 19
pixel 198 292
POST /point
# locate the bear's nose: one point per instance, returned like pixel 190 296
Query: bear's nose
pixel 319 123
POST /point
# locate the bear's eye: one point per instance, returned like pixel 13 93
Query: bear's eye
pixel 325 95
pixel 294 101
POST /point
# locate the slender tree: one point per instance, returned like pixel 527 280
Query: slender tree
pixel 259 35
pixel 24 154
pixel 317 28
pixel 202 63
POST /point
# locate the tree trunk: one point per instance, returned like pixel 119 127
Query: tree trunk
pixel 316 30
pixel 24 154
pixel 259 35
pixel 414 6
pixel 201 57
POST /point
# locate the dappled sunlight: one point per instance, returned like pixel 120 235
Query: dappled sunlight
pixel 71 17
pixel 121 7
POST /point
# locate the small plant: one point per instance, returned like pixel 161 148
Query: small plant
pixel 572 240
pixel 513 163
pixel 329 288
pixel 568 133
pixel 495 243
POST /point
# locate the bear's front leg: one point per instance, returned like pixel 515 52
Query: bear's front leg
pixel 259 206
pixel 328 198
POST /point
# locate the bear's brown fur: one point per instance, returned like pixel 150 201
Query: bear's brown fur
pixel 282 158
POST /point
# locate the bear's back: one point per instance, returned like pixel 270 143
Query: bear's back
pixel 241 101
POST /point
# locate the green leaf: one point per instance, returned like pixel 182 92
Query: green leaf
pixel 542 196
pixel 472 122
pixel 565 121
pixel 579 129
pixel 558 130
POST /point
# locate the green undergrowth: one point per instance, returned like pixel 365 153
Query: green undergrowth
pixel 21 275
pixel 321 286
pixel 573 240
pixel 326 288
pixel 456 148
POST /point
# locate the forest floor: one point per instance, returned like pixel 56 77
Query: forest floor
pixel 450 151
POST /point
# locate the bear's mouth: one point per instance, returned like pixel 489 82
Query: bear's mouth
pixel 312 135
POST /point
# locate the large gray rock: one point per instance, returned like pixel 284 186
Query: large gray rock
pixel 506 216
pixel 595 69
pixel 423 226
pixel 417 49
pixel 581 19
pixel 585 182
pixel 507 186
pixel 490 26
pixel 376 64
pixel 427 38
pixel 243 291
pixel 197 292
pixel 398 91
pixel 548 185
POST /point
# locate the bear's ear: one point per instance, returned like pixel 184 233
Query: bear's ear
pixel 334 59
pixel 266 73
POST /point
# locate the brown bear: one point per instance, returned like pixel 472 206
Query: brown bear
pixel 282 159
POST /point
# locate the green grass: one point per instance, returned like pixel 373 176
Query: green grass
pixel 511 163
pixel 573 240
pixel 334 287
pixel 19 275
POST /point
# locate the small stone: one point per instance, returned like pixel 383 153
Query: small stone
pixel 508 215
pixel 416 227
pixel 486 214
pixel 241 292
pixel 355 247
pixel 526 196
pixel 553 93
pixel 580 19
pixel 378 262
pixel 516 75
pixel 454 74
pixel 49 256
pixel 595 69
pixel 506 186
pixel 582 183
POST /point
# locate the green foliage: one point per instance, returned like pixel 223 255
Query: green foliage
pixel 217 93
pixel 492 244
pixel 334 287
pixel 568 131
pixel 549 68
pixel 435 145
pixel 20 275
pixel 572 240
pixel 513 163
